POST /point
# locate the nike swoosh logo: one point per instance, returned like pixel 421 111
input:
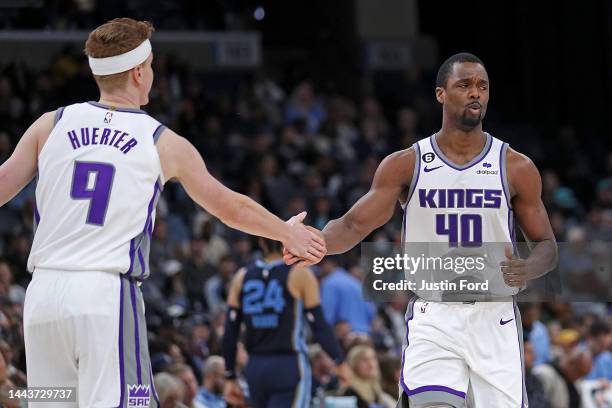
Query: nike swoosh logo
pixel 427 170
pixel 502 322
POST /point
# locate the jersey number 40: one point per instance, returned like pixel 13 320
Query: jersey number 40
pixel 465 229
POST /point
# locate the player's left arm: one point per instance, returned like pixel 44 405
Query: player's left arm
pixel 19 169
pixel 303 283
pixel 526 189
pixel 232 392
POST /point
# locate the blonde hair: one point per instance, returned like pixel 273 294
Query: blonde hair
pixel 116 37
pixel 356 354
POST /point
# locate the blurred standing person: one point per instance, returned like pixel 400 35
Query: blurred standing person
pixel 342 299
pixel 275 302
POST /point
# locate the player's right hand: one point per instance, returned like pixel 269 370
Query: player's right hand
pixel 232 393
pixel 305 242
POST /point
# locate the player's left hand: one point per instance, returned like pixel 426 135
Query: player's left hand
pixel 515 270
pixel 232 393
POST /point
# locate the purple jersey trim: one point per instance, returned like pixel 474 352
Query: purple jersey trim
pixel 121 373
pixel 475 160
pixel 58 115
pixel 36 213
pixel 136 334
pixel 413 186
pixel 113 108
pixel 502 173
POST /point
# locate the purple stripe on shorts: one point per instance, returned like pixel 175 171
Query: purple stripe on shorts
pixel 142 262
pixel 411 305
pixel 136 334
pixel 442 388
pixel 153 386
pixel 121 375
pixel 521 353
pixel 131 257
pixel 424 388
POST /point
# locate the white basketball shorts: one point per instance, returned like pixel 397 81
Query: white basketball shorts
pixel 463 354
pixel 87 330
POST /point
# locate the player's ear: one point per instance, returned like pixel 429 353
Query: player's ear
pixel 137 73
pixel 440 94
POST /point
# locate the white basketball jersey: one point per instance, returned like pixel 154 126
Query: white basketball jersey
pixel 99 177
pixel 462 206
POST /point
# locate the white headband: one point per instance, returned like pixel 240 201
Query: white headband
pixel 122 62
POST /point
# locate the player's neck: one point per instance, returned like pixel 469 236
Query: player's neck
pixel 119 100
pixel 459 141
pixel 273 257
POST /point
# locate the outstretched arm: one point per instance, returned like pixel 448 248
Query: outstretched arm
pixel 182 161
pixel 376 207
pixel 526 189
pixel 21 167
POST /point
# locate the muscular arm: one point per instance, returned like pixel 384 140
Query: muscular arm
pixel 526 190
pixel 180 160
pixel 21 167
pixel 376 207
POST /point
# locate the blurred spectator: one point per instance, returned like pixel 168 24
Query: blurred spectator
pixel 323 374
pixel 536 332
pixel 365 384
pixel 170 390
pixel 16 376
pixel 390 371
pixel 211 393
pixel 190 385
pixel 305 105
pixel 5 386
pixel 598 342
pixel 217 286
pixel 535 391
pixel 13 292
pixel 559 379
pixel 341 298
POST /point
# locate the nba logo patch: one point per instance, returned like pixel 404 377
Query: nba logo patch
pixel 138 395
pixel 108 117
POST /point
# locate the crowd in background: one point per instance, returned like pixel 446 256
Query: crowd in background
pixel 293 147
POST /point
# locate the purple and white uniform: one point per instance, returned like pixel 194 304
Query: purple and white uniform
pixel 460 353
pixel 99 177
